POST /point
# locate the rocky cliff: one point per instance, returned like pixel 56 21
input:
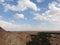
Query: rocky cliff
pixel 14 38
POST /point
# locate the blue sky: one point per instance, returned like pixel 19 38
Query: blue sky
pixel 30 15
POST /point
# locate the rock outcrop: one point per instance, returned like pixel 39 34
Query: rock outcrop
pixel 14 38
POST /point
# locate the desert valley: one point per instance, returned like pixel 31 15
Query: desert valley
pixel 28 38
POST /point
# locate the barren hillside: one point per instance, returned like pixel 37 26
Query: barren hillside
pixel 29 38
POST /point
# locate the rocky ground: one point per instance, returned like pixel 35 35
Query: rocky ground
pixel 29 38
pixel 45 38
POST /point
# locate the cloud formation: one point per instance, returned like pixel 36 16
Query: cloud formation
pixel 22 5
pixel 47 21
pixel 52 15
pixel 9 26
pixel 19 16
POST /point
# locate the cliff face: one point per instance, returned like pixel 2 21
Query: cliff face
pixel 14 38
pixel 28 38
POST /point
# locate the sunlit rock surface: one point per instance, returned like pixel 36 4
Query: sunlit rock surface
pixel 14 38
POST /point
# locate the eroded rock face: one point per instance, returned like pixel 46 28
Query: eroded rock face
pixel 13 38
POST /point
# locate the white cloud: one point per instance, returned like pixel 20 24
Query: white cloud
pixel 39 1
pixel 2 1
pixel 47 27
pixel 21 6
pixel 21 16
pixel 52 15
pixel 9 26
pixel 52 5
pixel 14 27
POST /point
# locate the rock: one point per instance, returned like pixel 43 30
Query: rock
pixel 28 38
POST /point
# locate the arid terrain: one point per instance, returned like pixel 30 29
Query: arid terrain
pixel 29 38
